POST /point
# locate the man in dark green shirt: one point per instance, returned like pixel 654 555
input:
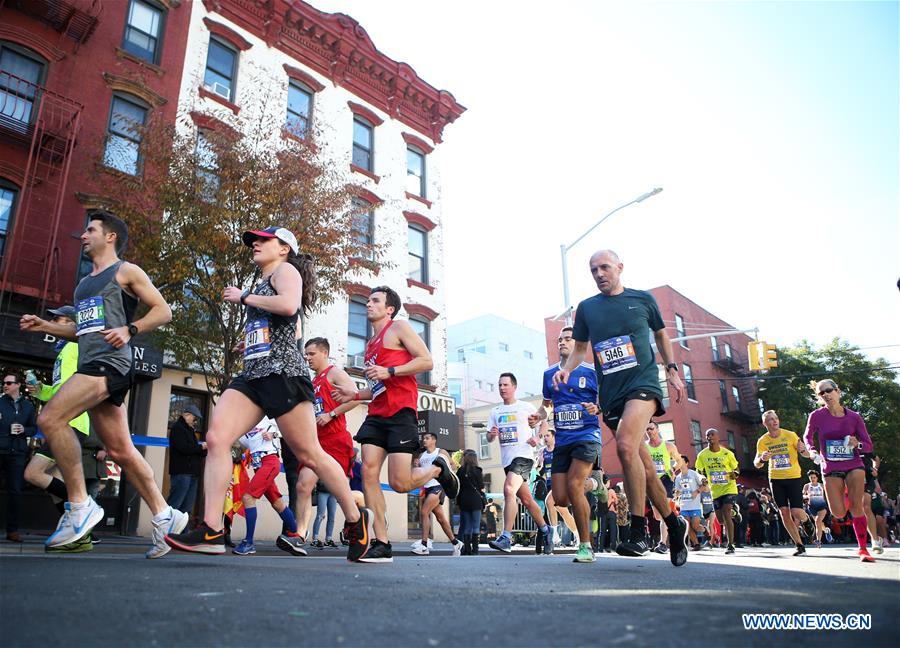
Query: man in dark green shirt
pixel 618 323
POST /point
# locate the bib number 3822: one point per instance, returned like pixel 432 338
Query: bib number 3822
pixel 90 316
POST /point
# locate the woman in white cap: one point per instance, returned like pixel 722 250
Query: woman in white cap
pixel 275 383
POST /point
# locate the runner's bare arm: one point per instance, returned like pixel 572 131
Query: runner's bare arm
pixel 572 363
pixel 135 281
pixel 38 325
pixel 338 376
pixel 287 283
pixel 664 344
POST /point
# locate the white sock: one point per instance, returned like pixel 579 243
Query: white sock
pixel 80 505
pixel 165 513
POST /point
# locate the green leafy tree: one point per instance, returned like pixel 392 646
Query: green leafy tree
pixel 868 386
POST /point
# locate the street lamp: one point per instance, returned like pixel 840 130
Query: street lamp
pixel 564 249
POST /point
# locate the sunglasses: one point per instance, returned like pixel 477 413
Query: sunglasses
pixel 10 382
pixel 827 390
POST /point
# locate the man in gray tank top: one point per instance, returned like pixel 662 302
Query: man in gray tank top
pixel 105 302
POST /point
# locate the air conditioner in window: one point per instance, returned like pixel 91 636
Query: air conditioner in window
pixel 221 90
pixel 356 361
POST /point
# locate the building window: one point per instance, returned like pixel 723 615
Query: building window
pixel 363 136
pixel 415 171
pixel 221 69
pixel 461 355
pixel 454 389
pixel 20 76
pixel 363 226
pixel 504 346
pixel 697 435
pixel 663 383
pixel 727 351
pixel 731 441
pixel 666 431
pixel 123 136
pixel 423 330
pixel 143 29
pixel 689 382
pixel 736 394
pixel 715 347
pixel 299 109
pixel 484 446
pixel 490 387
pixel 723 393
pixel 528 355
pixel 358 331
pixel 417 264
pixel 8 196
pixel 480 348
pixel 679 329
pixel 479 384
pixel 207 167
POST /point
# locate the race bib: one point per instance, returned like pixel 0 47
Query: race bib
pixel 660 466
pixel 568 417
pixel 57 370
pixel 256 459
pixel 719 477
pixel 509 429
pixel 318 406
pixel 90 316
pixel 256 340
pixel 781 461
pixel 616 354
pixel 377 388
pixel 835 450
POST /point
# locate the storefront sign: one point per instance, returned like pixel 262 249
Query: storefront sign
pixel 443 425
pixel 147 360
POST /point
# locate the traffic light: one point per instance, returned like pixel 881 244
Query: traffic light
pixel 769 356
pixel 753 355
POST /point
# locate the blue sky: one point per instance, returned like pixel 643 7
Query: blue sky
pixel 772 128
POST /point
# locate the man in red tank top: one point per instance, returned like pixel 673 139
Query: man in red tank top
pixel 394 356
pixel 331 424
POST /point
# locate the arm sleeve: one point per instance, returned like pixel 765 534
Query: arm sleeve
pixel 865 441
pixel 654 318
pixel 579 327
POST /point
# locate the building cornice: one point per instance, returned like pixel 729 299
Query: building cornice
pixel 337 47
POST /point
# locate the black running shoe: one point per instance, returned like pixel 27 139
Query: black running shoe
pixel 678 550
pixel 202 539
pixel 539 542
pixel 801 550
pixel 379 552
pixel 293 544
pixel 633 548
pixel 447 478
pixel 730 549
pixel 360 535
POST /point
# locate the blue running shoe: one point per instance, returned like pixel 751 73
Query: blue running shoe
pixel 244 549
pixel 501 544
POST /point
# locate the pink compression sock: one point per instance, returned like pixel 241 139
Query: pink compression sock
pixel 861 530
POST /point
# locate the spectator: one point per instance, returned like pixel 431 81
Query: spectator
pixel 770 518
pixel 471 501
pixel 326 505
pixel 600 490
pixel 186 453
pixel 623 515
pixel 492 517
pixel 17 423
pixel 754 519
pixel 740 528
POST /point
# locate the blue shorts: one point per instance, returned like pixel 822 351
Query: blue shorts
pixel 693 513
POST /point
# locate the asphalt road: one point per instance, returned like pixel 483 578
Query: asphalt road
pixel 113 596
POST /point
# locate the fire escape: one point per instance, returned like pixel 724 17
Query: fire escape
pixel 72 19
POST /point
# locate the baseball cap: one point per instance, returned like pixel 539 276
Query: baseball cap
pixel 193 409
pixel 63 311
pixel 284 235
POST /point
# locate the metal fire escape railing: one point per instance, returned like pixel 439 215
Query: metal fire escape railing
pixel 74 19
pixel 48 124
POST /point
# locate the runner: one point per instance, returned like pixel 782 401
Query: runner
pixel 779 448
pixel 814 494
pixel 105 302
pixel 842 436
pixel 273 383
pixel 577 449
pixel 433 499
pixel 721 469
pixel 331 424
pixel 393 358
pixel 688 485
pixel 709 514
pixel 263 447
pixel 667 459
pixel 510 423
pixel 551 508
pixel 618 323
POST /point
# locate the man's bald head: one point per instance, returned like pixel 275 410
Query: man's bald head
pixel 606 268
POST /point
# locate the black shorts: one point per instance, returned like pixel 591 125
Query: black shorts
pixel 722 501
pixel 614 413
pixel 588 451
pixel 277 394
pixel 398 433
pixel 435 490
pixel 869 464
pixel 522 467
pixel 117 385
pixel 668 484
pixel 44 449
pixel 787 492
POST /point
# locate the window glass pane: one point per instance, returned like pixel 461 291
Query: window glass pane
pixel 220 59
pixel 414 269
pixel 416 242
pixel 139 44
pixel 144 17
pixel 358 325
pixel 121 154
pixel 688 375
pixel 206 155
pixel 211 78
pixel 415 162
pixel 299 100
pixel 22 67
pixel 362 134
pixel 7 200
pixel 126 119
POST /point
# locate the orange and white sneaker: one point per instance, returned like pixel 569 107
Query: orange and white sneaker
pixel 360 535
pixel 865 557
pixel 202 539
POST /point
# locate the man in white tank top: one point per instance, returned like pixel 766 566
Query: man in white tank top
pixel 433 500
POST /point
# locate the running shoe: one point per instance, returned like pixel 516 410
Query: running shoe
pixel 539 542
pixel 584 554
pixel 678 551
pixel 245 548
pixel 447 478
pixel 457 548
pixel 379 552
pixel 291 544
pixel 79 546
pixel 730 549
pixel 201 539
pixel 800 550
pixel 661 548
pixel 548 544
pixel 75 523
pixel 865 557
pixel 317 544
pixel 878 545
pixel 420 550
pixel 330 543
pixel 818 544
pixel 360 535
pixel 736 514
pixel 696 547
pixel 502 543
pixel 633 548
pixel 169 521
pixel 828 537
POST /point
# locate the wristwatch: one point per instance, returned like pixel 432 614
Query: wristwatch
pixel 672 365
pixel 132 330
pixel 244 296
pixel 391 371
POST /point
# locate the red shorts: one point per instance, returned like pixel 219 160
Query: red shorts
pixel 340 448
pixel 263 482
